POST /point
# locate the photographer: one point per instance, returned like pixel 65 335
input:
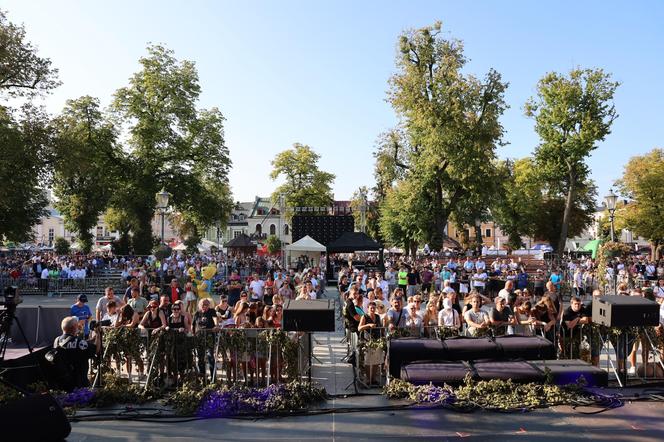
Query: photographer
pixel 73 354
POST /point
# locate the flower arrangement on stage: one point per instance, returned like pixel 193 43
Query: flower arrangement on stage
pixel 496 395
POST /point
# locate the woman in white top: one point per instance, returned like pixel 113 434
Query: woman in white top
pixel 414 320
pixel 477 320
pixel 448 317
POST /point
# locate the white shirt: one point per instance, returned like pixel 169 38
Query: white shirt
pixel 479 279
pixel 44 273
pixel 257 287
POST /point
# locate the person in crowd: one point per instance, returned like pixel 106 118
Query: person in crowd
pixel 154 317
pixel 277 317
pixel 133 284
pixel 448 316
pixel 479 279
pixel 256 288
pixel 546 313
pixel 234 288
pixel 507 290
pixel 130 319
pixel 430 319
pixel 190 299
pixel 165 305
pixel 73 362
pixel 101 308
pixel 402 278
pixel 501 317
pixel 223 309
pixel 475 317
pixel 175 291
pixel 205 321
pixel 286 290
pixel 395 317
pixel 111 316
pixel 370 323
pixel 137 302
pixel 525 319
pixel 241 314
pixel 414 320
pixel 538 284
pixel 81 310
pixel 177 320
pixel 573 318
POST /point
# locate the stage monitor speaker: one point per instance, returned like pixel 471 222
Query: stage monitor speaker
pixel 406 350
pixel 525 347
pixel 34 418
pixel 463 348
pixel 437 373
pixel 518 371
pixel 625 311
pixel 309 316
pixel 568 371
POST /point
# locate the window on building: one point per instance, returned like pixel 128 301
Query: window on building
pixel 273 229
pixel 100 231
pixel 237 233
pixel 285 229
pixel 51 236
pixel 259 229
pixel 488 233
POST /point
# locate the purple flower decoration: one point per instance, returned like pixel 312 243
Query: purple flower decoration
pixel 80 397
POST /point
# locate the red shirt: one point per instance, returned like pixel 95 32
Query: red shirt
pixel 174 294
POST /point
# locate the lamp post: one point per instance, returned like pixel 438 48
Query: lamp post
pixel 162 203
pixel 611 200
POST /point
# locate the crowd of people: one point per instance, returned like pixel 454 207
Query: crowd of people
pixel 430 295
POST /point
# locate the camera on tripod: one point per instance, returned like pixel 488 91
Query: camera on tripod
pixel 10 299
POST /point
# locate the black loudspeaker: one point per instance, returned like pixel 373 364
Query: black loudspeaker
pixel 517 371
pixel 568 371
pixel 437 373
pixel 625 311
pixel 525 347
pixel 406 350
pixel 309 316
pixel 323 228
pixel 469 349
pixel 34 418
pixel 562 372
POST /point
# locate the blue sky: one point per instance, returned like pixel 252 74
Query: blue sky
pixel 316 72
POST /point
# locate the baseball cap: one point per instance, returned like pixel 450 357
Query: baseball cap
pixel 82 298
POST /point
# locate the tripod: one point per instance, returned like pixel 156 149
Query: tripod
pixel 7 318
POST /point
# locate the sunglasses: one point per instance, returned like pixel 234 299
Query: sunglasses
pixel 175 309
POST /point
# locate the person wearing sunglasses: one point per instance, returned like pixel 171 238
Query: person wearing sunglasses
pixel 154 317
pixel 178 320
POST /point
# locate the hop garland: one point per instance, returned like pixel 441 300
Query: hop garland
pixel 496 395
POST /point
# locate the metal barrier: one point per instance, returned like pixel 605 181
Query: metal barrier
pixel 61 286
pixel 236 356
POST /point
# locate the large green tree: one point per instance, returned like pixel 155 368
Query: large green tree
pixel 305 185
pixel 172 145
pixel 25 165
pixel 86 153
pixel 572 114
pixel 643 183
pixel 362 206
pixel 25 161
pixel 450 120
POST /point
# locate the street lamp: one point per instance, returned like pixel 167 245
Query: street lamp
pixel 611 199
pixel 162 203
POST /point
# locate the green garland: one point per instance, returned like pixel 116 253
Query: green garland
pixel 496 395
pixel 121 343
pixel 281 342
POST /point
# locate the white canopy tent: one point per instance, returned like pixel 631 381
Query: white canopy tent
pixel 305 246
pixel 180 246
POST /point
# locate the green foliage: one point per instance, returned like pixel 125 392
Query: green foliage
pixel 172 145
pixel 642 182
pixel 25 169
pixel 273 244
pixel 162 252
pixel 305 184
pixel 85 165
pixel 450 133
pixel 23 73
pixel 61 246
pixel 572 114
pixel 359 199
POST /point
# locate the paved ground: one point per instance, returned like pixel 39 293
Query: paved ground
pixel 639 421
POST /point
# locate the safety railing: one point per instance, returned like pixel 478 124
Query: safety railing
pixel 235 356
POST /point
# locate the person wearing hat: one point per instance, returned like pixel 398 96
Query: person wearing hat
pixel 82 311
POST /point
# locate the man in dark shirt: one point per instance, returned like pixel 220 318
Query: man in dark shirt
pixel 413 278
pixel 573 317
pixel 74 356
pixel 501 316
pixel 204 320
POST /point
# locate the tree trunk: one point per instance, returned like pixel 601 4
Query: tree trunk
pixel 653 250
pixel 413 249
pixel 142 235
pixel 478 236
pixel 566 217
